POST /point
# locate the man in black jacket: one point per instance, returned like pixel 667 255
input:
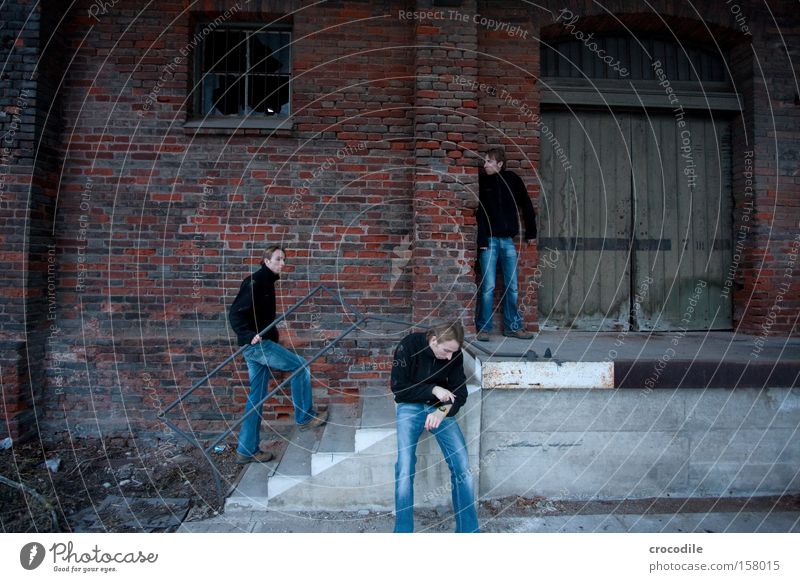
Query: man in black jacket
pixel 251 311
pixel 501 196
pixel 429 388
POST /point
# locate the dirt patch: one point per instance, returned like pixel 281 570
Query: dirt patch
pixel 109 485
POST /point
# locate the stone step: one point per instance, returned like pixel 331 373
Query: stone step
pixel 365 479
pixel 338 437
pixel 338 434
pixel 251 493
pixel 295 465
pixel 377 417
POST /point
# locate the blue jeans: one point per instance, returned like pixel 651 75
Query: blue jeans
pixel 260 358
pixel 410 424
pixel 504 250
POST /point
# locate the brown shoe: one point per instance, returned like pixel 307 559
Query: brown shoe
pixel 320 419
pixel 519 334
pixel 259 457
pixel 483 337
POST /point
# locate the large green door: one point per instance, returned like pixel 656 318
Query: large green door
pixel 682 202
pixel 636 210
pixel 585 224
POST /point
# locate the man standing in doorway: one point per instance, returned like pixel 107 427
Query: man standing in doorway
pixel 251 311
pixel 501 196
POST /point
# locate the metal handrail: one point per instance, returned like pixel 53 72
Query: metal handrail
pixel 263 332
pixel 361 319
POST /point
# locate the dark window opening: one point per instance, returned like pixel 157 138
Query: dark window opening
pixel 624 57
pixel 245 72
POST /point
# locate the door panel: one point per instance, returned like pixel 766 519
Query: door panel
pixel 585 221
pixel 682 197
pixel 643 243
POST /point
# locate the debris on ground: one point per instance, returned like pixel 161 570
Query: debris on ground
pixel 112 485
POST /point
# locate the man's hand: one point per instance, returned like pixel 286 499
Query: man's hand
pixel 434 419
pixel 443 394
pixel 255 340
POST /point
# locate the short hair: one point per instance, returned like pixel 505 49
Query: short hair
pixel 271 250
pixel 499 155
pixel 446 331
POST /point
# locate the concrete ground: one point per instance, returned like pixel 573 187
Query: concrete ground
pixel 536 516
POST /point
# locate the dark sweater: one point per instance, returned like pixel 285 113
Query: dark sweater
pixel 501 196
pixel 416 371
pixel 254 306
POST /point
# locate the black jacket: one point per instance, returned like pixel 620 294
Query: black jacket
pixel 416 371
pixel 501 196
pixel 254 306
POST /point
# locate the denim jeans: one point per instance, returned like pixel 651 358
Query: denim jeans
pixel 410 424
pixel 501 249
pixel 260 358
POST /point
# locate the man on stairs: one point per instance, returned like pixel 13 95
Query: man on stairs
pixel 253 310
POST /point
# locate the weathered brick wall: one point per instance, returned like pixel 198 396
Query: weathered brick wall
pixel 30 123
pixel 161 222
pixel 771 280
pixel 18 51
pixel 446 131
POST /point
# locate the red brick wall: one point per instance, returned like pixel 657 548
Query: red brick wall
pixel 30 125
pixel 160 222
pixel 446 134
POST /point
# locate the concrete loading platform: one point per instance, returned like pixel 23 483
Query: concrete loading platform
pixel 690 416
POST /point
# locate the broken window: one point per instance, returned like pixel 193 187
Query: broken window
pixel 245 72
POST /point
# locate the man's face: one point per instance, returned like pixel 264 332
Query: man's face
pixel 276 262
pixel 444 350
pixel 492 166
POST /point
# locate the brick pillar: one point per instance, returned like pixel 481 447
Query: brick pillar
pixel 446 167
pixel 29 168
pixel 508 97
pixel 766 236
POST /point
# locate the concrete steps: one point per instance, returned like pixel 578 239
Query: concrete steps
pixel 305 476
pixel 349 463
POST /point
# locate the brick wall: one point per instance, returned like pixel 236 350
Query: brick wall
pixel 30 122
pixel 162 221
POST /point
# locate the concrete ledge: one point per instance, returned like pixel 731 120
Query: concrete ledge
pixel 626 444
pixel 549 374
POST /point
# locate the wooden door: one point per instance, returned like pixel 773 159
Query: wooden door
pixel 636 210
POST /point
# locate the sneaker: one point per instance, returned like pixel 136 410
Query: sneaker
pixel 483 336
pixel 320 419
pixel 519 334
pixel 259 457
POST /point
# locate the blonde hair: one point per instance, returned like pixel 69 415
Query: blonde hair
pixel 446 331
pixel 271 250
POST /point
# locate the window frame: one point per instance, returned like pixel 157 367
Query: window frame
pixel 197 119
